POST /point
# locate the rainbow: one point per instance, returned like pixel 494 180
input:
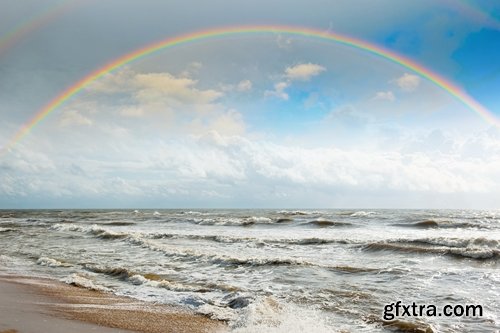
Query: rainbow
pixel 435 78
pixel 474 12
pixel 37 21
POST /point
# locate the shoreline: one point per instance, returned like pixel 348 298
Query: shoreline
pixel 32 305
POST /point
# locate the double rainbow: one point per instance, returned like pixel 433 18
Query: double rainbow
pixel 433 77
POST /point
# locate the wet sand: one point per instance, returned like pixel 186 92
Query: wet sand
pixel 29 305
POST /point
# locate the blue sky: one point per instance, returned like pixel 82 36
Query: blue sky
pixel 268 120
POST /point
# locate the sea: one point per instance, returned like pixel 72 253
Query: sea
pixel 275 270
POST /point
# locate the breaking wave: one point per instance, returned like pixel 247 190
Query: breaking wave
pixel 477 248
pixel 271 316
pixel 362 213
pixel 215 258
pixel 234 221
pixel 154 280
pixel 93 230
pixel 49 262
pixel 83 282
pixel 135 237
pixel 299 212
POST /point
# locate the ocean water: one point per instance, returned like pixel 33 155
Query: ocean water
pixel 272 270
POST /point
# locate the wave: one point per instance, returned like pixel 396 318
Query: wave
pixel 49 262
pixel 193 212
pixel 116 272
pixel 269 315
pixel 351 269
pixel 226 260
pixel 421 224
pixel 407 326
pixel 117 223
pixel 460 242
pixel 362 213
pixel 106 234
pixel 284 220
pixel 93 230
pixel 441 224
pixel 259 219
pixel 103 233
pixel 7 229
pixel 398 325
pixel 213 238
pixel 177 286
pixel 298 212
pixel 215 258
pixel 83 282
pixel 23 223
pixel 66 227
pixel 260 241
pixel 233 221
pixel 154 280
pixel 478 248
pixel 326 223
pixel 310 241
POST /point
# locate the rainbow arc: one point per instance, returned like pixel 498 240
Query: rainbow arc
pixel 438 80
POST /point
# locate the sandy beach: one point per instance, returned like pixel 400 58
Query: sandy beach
pixel 33 305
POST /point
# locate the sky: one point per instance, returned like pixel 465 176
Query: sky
pixel 261 120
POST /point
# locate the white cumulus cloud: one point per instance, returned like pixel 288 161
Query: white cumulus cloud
pixel 300 72
pixel 279 91
pixel 408 82
pixel 303 72
pixel 385 95
pixel 244 85
pixel 153 87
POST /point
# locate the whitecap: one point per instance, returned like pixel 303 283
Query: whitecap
pixel 83 282
pixel 49 262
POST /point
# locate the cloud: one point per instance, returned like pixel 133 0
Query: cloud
pixel 192 68
pixel 385 95
pixel 115 82
pixel 226 123
pixel 348 114
pixel 329 168
pixel 164 104
pixel 303 72
pixel 213 165
pixel 408 82
pixel 72 118
pixel 229 123
pixel 132 111
pixel 279 91
pixel 154 87
pixel 244 85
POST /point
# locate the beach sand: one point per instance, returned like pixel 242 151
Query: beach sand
pixel 34 305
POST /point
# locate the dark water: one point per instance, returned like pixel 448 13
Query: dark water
pixel 272 270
